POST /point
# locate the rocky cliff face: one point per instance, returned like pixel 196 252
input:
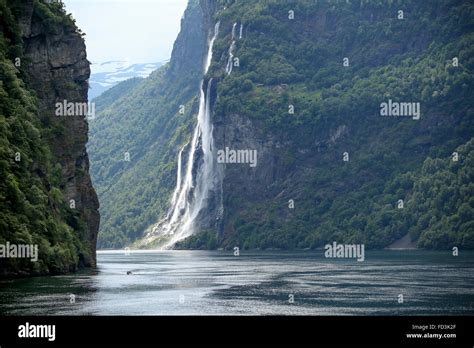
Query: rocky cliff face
pixel 190 45
pixel 58 71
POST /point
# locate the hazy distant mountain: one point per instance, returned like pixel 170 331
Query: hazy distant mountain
pixel 108 74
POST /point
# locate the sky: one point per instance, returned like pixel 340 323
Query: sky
pixel 139 31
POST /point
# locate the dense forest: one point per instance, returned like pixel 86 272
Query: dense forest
pixel 33 207
pixel 306 92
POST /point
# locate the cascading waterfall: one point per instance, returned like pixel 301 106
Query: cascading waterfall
pixel 233 30
pixel 228 68
pixel 178 180
pixel 190 194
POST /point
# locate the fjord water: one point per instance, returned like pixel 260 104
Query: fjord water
pixel 254 283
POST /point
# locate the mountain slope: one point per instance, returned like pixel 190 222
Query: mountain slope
pixel 108 74
pixel 300 62
pixel 306 92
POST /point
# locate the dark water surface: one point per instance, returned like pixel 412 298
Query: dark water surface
pixel 216 282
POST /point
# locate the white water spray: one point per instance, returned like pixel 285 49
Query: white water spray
pixel 190 194
pixel 228 68
pixel 233 30
pixel 178 180
pixel 230 63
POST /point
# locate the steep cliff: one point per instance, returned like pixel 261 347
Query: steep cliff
pixel 53 204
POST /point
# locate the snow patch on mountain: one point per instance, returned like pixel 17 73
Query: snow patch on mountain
pixel 107 74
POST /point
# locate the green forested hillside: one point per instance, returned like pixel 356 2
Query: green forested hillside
pixel 127 162
pixel 442 201
pixel 292 55
pixel 299 62
pixel 32 207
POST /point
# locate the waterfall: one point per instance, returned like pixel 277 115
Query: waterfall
pixel 178 180
pixel 233 30
pixel 230 63
pixel 241 30
pixel 191 193
pixel 228 68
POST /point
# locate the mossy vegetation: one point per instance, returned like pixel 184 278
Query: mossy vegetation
pixel 32 206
